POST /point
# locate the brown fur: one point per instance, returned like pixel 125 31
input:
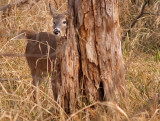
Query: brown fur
pixel 40 53
pixel 40 50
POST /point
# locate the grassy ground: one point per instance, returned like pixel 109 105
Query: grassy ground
pixel 141 50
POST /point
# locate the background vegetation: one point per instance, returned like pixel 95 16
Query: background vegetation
pixel 141 50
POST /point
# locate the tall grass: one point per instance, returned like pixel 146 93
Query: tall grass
pixel 141 53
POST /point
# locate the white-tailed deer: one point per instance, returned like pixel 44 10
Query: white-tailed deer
pixel 41 47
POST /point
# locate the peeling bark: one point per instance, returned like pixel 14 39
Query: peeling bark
pixel 101 55
pixel 66 84
pixel 98 66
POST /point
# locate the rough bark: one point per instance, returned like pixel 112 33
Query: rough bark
pixel 97 65
pixel 101 55
pixel 66 84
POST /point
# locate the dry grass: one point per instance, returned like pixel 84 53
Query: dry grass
pixel 141 53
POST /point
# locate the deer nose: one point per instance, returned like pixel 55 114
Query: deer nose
pixel 56 31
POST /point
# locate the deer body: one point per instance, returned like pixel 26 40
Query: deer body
pixel 40 53
pixel 41 47
pixel 44 50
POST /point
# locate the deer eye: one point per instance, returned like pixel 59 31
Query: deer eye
pixel 54 23
pixel 64 22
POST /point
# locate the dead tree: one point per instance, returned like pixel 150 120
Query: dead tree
pixel 91 63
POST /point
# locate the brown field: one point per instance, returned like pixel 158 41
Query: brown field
pixel 141 50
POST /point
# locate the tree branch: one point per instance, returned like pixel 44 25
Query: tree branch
pixel 3 8
pixel 56 4
pixel 157 14
pixel 136 19
pixel 18 2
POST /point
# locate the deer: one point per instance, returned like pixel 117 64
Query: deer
pixel 41 47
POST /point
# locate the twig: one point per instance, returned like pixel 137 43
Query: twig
pixel 108 104
pixel 56 4
pixel 18 2
pixel 3 8
pixel 14 79
pixel 9 6
pixel 157 14
pixel 11 55
pixel 34 55
pixel 136 19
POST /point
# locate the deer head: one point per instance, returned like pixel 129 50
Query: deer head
pixel 59 22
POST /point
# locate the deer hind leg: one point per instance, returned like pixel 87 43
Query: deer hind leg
pixel 37 80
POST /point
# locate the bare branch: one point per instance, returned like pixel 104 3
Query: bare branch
pixel 33 55
pixel 136 19
pixel 56 4
pixel 3 8
pixel 18 2
pixel 9 6
pixel 156 14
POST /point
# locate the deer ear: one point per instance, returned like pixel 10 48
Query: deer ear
pixel 53 11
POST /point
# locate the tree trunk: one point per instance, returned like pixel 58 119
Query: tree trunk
pixel 92 61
